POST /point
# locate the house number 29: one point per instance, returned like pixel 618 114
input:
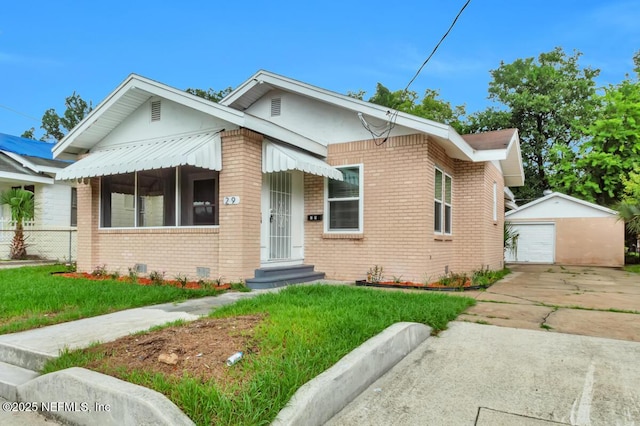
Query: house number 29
pixel 231 200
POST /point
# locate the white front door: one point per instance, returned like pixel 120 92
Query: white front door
pixel 282 218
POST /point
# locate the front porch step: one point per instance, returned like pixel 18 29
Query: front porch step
pixel 278 276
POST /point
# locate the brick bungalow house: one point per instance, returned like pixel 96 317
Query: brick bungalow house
pixel 279 177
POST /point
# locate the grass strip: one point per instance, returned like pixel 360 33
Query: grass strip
pixel 307 330
pixel 34 297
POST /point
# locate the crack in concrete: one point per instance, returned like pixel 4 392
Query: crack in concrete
pixel 577 287
pixel 544 324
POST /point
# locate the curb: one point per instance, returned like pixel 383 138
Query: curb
pixel 321 398
pixel 92 398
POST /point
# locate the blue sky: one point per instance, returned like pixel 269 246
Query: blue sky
pixel 50 49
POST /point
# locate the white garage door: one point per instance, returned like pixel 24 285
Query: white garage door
pixel 536 243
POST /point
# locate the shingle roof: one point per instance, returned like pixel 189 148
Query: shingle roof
pixel 9 165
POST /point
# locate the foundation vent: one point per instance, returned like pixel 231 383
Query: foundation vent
pixel 203 272
pixel 155 111
pixel 276 106
pixel 141 268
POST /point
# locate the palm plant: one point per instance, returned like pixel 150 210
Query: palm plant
pixel 630 213
pixel 21 204
pixel 510 238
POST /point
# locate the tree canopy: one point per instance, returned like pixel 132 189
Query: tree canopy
pixel 598 169
pixel 56 126
pixel 431 106
pixel 210 94
pixel 549 99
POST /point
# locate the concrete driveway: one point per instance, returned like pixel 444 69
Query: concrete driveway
pixel 541 367
pixel 602 302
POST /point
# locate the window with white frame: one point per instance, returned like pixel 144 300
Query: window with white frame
pixel 183 196
pixel 344 201
pixel 442 203
pixel 495 202
pixel 74 206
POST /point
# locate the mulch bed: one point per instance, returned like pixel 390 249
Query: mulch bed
pixel 193 285
pixel 411 285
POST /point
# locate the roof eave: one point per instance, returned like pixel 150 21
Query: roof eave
pixel 457 147
pixel 26 178
pixel 154 88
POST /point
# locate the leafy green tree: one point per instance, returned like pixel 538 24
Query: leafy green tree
pixel 598 169
pixel 430 106
pixel 548 99
pixel 631 186
pixel 21 203
pixel 56 126
pixel 29 134
pixel 210 94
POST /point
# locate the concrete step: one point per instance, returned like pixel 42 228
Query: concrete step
pixel 283 275
pixel 11 377
pixel 274 271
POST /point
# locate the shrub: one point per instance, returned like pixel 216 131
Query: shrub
pixel 182 280
pixel 156 277
pixel 100 271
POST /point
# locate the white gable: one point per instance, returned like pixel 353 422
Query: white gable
pixel 559 206
pixel 324 122
pixel 174 119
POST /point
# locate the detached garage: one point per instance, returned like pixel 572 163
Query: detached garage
pixel 561 229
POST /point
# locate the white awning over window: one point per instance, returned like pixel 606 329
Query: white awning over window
pixel 199 150
pixel 278 158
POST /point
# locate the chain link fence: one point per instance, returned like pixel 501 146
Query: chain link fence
pixel 47 243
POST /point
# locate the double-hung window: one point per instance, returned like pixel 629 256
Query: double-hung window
pixel 442 203
pixel 344 201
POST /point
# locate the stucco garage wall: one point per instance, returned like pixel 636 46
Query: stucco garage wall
pixel 590 241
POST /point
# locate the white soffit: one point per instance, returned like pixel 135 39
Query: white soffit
pixel 278 158
pixel 200 150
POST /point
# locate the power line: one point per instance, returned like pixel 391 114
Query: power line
pixel 385 131
pixel 18 112
pixel 438 45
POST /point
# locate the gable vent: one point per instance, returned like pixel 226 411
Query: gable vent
pixel 276 104
pixel 155 111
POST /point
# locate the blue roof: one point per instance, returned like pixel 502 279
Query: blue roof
pixel 24 146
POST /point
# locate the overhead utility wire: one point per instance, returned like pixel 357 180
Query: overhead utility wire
pixel 392 120
pixel 18 112
pixel 439 43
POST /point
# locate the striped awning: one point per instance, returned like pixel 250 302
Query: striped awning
pixel 278 158
pixel 200 150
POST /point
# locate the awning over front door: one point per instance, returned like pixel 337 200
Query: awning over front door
pixel 200 150
pixel 278 158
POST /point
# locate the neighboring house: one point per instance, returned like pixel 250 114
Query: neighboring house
pixel 29 164
pixel 282 174
pixel 561 229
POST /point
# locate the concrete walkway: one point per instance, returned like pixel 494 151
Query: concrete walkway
pixel 564 354
pixel 485 375
pixel 600 302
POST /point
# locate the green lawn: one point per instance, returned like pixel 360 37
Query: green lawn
pixel 32 297
pixel 307 330
pixel 632 268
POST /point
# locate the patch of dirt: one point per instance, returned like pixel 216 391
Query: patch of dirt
pixel 201 349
